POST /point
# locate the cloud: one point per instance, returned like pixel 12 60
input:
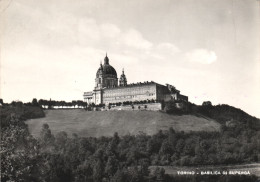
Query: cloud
pixel 202 56
pixel 168 47
pixel 88 31
pixel 62 30
pixel 110 36
pixel 133 38
pixel 110 30
pixel 164 51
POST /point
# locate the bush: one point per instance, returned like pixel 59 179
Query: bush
pixel 170 108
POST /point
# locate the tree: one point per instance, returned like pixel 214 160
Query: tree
pixel 18 104
pixel 207 103
pixel 179 145
pixel 98 171
pixel 50 104
pixel 170 107
pixel 111 166
pixel 46 138
pixel 43 103
pixel 20 159
pixel 35 102
pixel 159 173
pixel 189 148
pixel 85 105
pixel 149 146
pixel 74 103
pixel 144 164
pixel 134 174
pixel 120 176
pixel 61 140
pixel 83 172
pixel 58 103
pixel 165 148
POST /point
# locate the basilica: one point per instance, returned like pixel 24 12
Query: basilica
pixel 108 89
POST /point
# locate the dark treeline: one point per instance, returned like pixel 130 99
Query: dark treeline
pixel 52 103
pixel 223 113
pixel 61 158
pixel 47 103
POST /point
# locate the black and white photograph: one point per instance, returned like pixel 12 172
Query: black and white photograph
pixel 130 90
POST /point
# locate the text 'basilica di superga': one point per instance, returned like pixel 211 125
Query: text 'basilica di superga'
pixel 109 90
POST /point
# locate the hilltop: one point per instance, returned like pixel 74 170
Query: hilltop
pixel 106 123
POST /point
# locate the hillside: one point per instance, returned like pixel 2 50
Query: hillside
pixel 66 158
pixel 228 116
pixel 95 124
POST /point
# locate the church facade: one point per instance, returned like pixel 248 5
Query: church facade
pixel 108 89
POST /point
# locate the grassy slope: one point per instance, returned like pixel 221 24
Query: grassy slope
pixel 95 124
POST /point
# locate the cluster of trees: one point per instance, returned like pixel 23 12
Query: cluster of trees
pixel 48 103
pixel 19 150
pixel 52 103
pixel 128 158
pixel 224 113
pixel 60 158
pixel 170 108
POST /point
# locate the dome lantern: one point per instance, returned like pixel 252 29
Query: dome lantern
pixel 106 60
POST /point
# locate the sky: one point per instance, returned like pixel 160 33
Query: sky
pixel 207 49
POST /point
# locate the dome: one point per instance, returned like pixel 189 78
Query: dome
pixel 109 70
pixel 106 69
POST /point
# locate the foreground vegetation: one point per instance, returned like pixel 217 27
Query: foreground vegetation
pixel 123 158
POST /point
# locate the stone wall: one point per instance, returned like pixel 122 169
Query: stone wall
pixel 150 107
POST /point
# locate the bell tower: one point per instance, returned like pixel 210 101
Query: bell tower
pixel 123 80
pixel 99 77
